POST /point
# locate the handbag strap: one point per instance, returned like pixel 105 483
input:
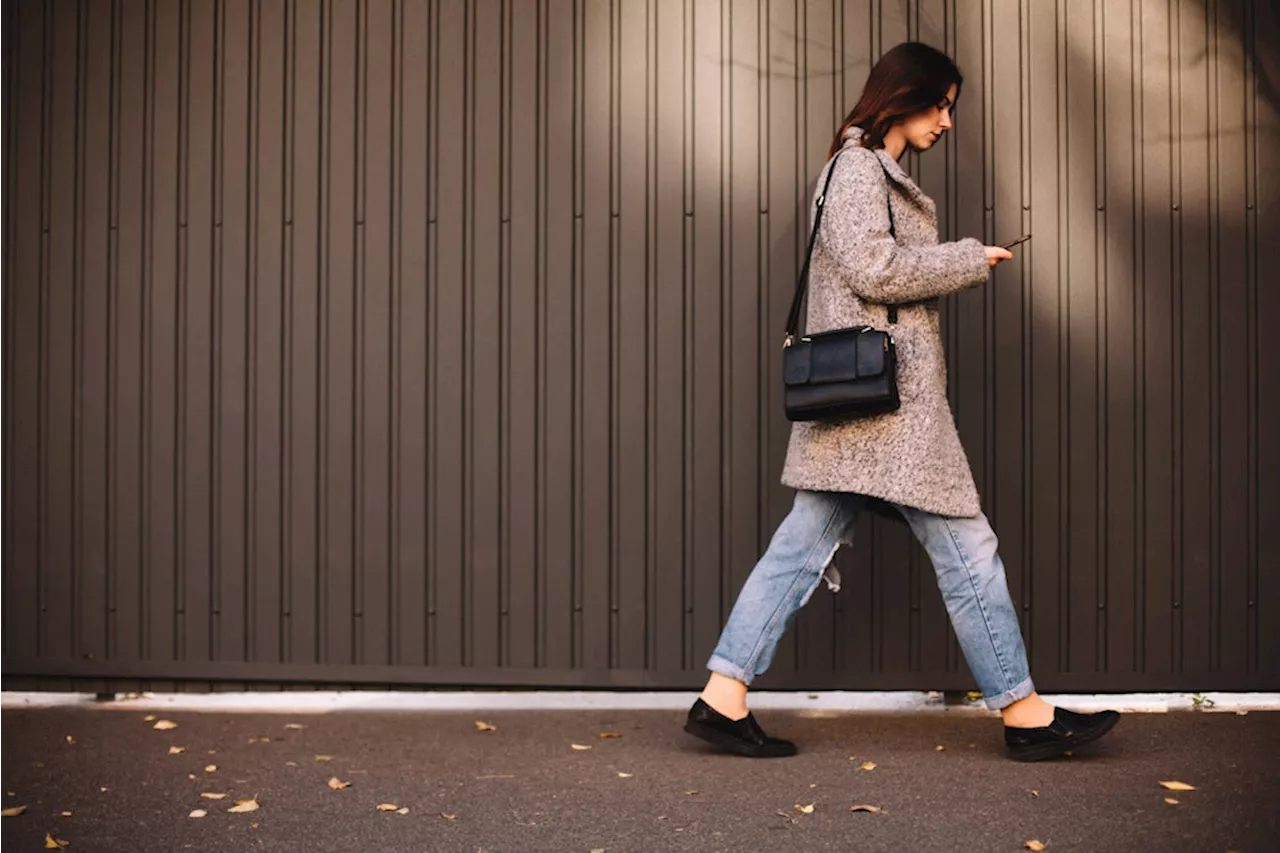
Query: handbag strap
pixel 802 286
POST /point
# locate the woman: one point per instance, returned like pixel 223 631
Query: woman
pixel 878 250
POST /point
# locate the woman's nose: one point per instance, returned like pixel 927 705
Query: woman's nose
pixel 946 121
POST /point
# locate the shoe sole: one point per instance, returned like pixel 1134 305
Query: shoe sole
pixel 732 744
pixel 1041 751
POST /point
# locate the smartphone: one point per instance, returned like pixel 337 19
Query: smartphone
pixel 1024 238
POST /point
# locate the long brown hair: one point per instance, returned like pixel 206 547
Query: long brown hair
pixel 907 80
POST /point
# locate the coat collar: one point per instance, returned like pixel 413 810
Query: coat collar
pixel 853 138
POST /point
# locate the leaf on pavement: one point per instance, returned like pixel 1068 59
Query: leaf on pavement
pixel 866 808
pixel 387 807
pixel 242 806
pixel 609 735
pixel 211 768
pixel 51 843
pixel 64 814
pixel 1171 801
pixel 164 725
pixel 1178 786
pixel 324 758
pixel 177 750
pixel 70 739
pixel 1034 792
pixel 939 748
pixel 625 775
pixel 404 810
pixel 485 727
pixel 13 812
pixel 579 747
pixel 868 765
pixel 259 740
pixel 805 809
pixel 198 813
pixel 337 784
pixel 691 793
pixel 448 816
pixel 294 726
pixel 1034 845
pixel 209 796
pixel 148 718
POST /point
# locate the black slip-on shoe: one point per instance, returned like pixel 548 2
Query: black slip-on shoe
pixel 742 737
pixel 1067 731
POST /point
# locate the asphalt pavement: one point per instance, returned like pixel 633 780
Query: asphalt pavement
pixel 640 783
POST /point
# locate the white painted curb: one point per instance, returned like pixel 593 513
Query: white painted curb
pixel 294 702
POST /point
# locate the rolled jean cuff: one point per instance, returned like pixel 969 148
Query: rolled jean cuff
pixel 728 669
pixel 1007 698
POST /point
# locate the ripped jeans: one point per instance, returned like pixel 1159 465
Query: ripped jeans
pixel 970 576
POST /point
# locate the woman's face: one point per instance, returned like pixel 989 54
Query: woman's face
pixel 924 129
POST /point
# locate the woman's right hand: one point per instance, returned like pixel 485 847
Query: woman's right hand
pixel 996 254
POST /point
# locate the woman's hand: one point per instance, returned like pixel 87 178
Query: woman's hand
pixel 996 254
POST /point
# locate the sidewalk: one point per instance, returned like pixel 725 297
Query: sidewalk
pixel 524 786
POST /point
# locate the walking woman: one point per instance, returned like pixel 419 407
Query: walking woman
pixel 877 262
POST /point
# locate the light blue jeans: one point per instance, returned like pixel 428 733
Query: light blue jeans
pixel 970 575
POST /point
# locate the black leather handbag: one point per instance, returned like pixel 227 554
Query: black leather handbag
pixel 842 374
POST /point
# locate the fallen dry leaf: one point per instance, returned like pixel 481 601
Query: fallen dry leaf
pixel 324 758
pixel 198 813
pixel 498 776
pixel 64 814
pixel 1242 712
pixel 209 796
pixel 1034 845
pixel 242 806
pixel 259 740
pixel 939 748
pixel 211 768
pixel 70 739
pixel 387 807
pixel 189 776
pixel 177 750
pixel 213 752
pixel 404 810
pixel 337 784
pixel 1034 792
pixel 691 793
pixel 625 775
pixel 294 726
pixel 291 764
pixel 104 788
pixel 609 735
pixel 865 808
pixel 51 843
pixel 805 809
pixel 485 727
pixel 148 718
pixel 448 816
pixel 579 746
pixel 13 812
pixel 165 725
pixel 868 765
pixel 1178 786
pixel 1171 801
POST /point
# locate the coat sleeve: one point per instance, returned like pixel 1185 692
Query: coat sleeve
pixel 855 232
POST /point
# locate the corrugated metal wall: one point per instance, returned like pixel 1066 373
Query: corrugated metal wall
pixel 438 342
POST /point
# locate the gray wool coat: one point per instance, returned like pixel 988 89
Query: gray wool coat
pixel 912 456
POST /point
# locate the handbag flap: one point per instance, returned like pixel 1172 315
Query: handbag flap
pixel 841 356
